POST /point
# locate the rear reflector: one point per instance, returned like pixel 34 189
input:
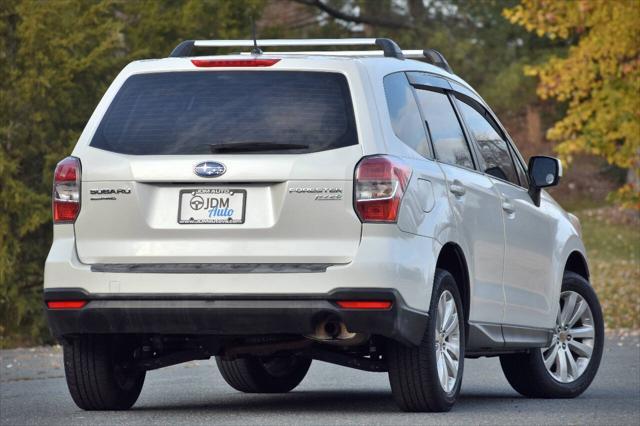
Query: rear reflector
pixel 217 63
pixel 379 184
pixel 364 304
pixel 66 304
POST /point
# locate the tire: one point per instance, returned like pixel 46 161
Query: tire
pixel 95 376
pixel 264 374
pixel 413 370
pixel 527 372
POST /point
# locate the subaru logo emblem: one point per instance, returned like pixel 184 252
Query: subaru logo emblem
pixel 209 169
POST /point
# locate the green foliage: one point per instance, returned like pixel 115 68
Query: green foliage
pixel 490 53
pixel 57 59
pixel 473 35
pixel 599 79
pixel 152 28
pixel 50 85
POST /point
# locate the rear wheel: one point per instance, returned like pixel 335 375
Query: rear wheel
pixel 97 374
pixel 428 377
pixel 567 367
pixel 264 374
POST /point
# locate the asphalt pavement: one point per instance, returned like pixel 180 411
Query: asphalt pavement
pixel 33 391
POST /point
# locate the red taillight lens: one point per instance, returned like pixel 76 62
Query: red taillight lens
pixel 66 191
pixel 217 63
pixel 379 184
pixel 66 304
pixel 364 304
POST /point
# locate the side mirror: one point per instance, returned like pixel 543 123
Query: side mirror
pixel 543 172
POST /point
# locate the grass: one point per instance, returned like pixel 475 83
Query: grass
pixel 613 246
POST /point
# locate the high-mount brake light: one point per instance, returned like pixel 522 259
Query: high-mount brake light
pixel 66 304
pixel 221 63
pixel 66 191
pixel 379 184
pixel 364 304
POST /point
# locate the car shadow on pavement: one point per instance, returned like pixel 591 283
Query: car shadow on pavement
pixel 353 401
pixel 347 401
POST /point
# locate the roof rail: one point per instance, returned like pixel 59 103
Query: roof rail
pixel 437 59
pixel 388 46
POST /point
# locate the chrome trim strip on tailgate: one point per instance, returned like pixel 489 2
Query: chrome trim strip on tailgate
pixel 211 268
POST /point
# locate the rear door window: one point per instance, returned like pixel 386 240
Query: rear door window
pixel 448 139
pixel 493 146
pixel 229 112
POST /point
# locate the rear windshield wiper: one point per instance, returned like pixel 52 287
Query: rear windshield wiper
pixel 254 146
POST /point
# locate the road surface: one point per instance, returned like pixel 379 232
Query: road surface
pixel 33 391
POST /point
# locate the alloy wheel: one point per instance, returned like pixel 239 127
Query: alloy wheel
pixel 447 345
pixel 573 340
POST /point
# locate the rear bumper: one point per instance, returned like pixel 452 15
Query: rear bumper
pixel 386 258
pixel 231 315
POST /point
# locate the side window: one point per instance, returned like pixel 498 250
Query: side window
pixel 448 139
pixel 404 113
pixel 493 147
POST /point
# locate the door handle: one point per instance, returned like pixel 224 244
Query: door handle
pixel 457 189
pixel 508 207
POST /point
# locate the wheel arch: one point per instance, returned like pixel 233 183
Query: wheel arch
pixel 577 263
pixel 452 259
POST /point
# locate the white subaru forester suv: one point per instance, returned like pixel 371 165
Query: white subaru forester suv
pixel 356 207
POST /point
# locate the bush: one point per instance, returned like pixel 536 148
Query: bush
pixel 57 59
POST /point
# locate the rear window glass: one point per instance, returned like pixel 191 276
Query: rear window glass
pixel 235 112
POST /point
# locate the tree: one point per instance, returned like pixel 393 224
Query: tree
pixel 599 79
pixel 57 58
pixel 481 45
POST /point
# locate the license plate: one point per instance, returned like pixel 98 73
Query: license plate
pixel 212 206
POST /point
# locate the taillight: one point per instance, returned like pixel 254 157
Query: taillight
pixel 217 63
pixel 379 184
pixel 66 191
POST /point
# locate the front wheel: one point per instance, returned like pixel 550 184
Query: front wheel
pixel 427 377
pixel 567 367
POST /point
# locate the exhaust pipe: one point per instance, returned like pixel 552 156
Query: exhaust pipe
pixel 332 328
pixel 333 331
